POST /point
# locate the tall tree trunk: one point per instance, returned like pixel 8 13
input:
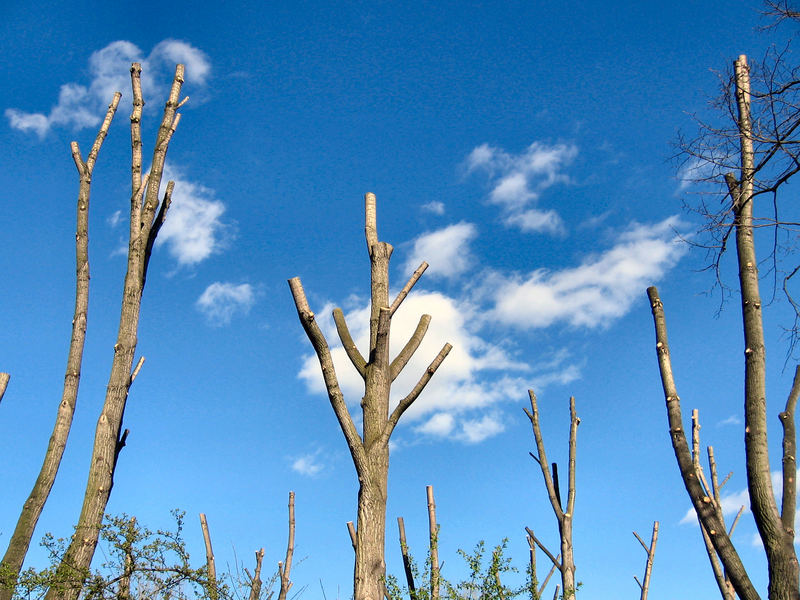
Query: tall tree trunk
pixel 370 453
pixel 32 509
pixel 778 541
pixel 147 216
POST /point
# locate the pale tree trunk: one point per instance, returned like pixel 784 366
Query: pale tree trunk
pixel 644 585
pixel 285 567
pixel 146 218
pixel 32 509
pixel 4 377
pixel 565 562
pixel 370 453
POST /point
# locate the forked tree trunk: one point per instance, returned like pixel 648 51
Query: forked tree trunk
pixel 146 217
pixel 370 453
pixel 32 509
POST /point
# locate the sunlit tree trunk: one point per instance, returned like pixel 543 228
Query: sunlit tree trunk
pixel 370 453
pixel 32 508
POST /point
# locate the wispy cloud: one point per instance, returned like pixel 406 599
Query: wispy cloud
pixel 435 207
pixel 80 106
pixel 732 420
pixel 446 250
pixel 308 464
pixel 600 289
pixel 517 181
pixel 193 230
pixel 221 301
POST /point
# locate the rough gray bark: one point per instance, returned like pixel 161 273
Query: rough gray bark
pixel 147 215
pixel 370 448
pixel 564 514
pixel 32 508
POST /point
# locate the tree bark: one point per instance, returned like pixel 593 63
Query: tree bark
pixel 778 540
pixel 147 216
pixel 370 448
pixel 32 509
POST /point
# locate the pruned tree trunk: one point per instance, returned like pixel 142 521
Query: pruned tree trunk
pixel 147 215
pixel 285 567
pixel 564 514
pixel 32 509
pixel 407 569
pixel 433 537
pixel 370 448
pixel 255 580
pixel 644 584
pixel 211 563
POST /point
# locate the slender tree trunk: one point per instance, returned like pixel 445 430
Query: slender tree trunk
pixel 147 216
pixel 778 542
pixel 32 509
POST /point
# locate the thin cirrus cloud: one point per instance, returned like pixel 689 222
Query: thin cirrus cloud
pixel 221 301
pixel 596 292
pixel 468 386
pixel 517 182
pixel 308 464
pixel 80 106
pixel 446 250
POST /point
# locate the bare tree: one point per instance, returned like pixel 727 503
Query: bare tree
pixel 644 584
pixel 147 215
pixel 285 567
pixel 370 449
pixel 764 159
pixel 565 563
pixel 33 506
pixel 4 377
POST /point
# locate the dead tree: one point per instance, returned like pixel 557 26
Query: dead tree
pixel 147 214
pixel 33 506
pixel 757 171
pixel 644 584
pixel 564 513
pixel 370 448
pixel 211 564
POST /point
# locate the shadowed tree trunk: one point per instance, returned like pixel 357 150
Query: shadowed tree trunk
pixel 32 509
pixel 147 215
pixel 370 448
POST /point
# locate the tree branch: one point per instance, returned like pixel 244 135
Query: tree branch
pixel 407 287
pixel 348 344
pixel 401 360
pixel 315 335
pixel 417 390
pixel 787 418
pixel 285 568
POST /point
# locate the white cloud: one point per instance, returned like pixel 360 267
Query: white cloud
pixel 693 171
pixel 435 207
pixel 308 464
pixel 533 221
pixel 477 430
pixel 732 420
pixel 446 250
pixel 518 180
pixel 221 301
pixel 193 230
pixel 80 106
pixel 468 384
pixel 602 288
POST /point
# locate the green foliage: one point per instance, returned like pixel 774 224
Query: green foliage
pixel 138 564
pixel 484 581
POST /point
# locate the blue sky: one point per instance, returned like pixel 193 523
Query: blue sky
pixel 521 148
